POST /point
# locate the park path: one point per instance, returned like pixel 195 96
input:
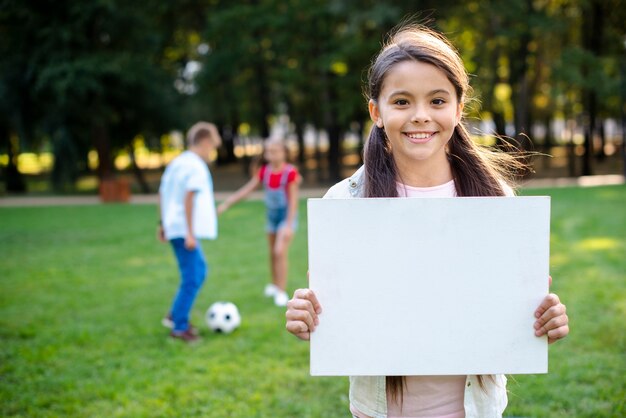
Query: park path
pixel 24 201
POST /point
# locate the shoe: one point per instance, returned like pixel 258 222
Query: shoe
pixel 281 298
pixel 187 336
pixel 270 290
pixel 168 323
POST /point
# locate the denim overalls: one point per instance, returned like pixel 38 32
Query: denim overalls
pixel 276 200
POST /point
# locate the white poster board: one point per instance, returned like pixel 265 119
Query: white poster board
pixel 428 286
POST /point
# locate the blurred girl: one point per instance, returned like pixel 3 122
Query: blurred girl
pixel 280 181
pixel 419 147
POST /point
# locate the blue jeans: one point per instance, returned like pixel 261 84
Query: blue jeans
pixel 193 270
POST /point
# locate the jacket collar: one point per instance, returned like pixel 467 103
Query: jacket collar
pixel 355 183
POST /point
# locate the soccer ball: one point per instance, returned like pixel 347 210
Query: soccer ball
pixel 223 317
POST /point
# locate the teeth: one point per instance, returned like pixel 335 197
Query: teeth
pixel 418 135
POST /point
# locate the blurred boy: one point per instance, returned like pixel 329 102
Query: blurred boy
pixel 188 214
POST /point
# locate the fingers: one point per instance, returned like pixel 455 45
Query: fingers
pixel 552 324
pixel 547 303
pixel 552 319
pixel 302 313
pixel 190 243
pixel 558 333
pixel 299 329
pixel 309 295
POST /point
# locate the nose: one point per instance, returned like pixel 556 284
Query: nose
pixel 420 115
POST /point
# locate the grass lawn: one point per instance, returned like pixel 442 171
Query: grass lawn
pixel 83 289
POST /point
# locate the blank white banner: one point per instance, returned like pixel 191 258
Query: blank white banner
pixel 432 286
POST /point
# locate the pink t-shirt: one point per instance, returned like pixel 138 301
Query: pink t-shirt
pixel 431 397
pixel 444 190
pixel 427 396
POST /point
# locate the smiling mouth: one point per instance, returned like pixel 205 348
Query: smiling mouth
pixel 419 137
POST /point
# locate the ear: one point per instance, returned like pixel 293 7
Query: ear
pixel 375 113
pixel 459 112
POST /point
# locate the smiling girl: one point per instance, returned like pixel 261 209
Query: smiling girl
pixel 419 147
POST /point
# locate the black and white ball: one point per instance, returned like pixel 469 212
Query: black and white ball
pixel 223 317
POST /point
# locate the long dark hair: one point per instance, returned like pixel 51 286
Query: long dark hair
pixel 477 171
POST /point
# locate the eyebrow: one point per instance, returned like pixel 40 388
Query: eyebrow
pixel 407 93
pixel 439 91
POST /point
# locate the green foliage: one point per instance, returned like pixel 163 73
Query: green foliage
pixel 74 68
pixel 83 289
pixel 99 73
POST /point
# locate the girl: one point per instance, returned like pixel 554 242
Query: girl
pixel 419 147
pixel 280 181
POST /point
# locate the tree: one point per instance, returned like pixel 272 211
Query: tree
pixel 97 70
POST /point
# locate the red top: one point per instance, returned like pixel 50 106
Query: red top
pixel 275 176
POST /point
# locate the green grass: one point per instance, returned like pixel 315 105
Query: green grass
pixel 82 291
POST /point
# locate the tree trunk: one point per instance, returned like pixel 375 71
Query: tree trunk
pixel 334 152
pixel 491 63
pixel 332 129
pixel 137 171
pixel 571 156
pixel 102 145
pixel 318 156
pixel 521 112
pixel 520 84
pixel 548 142
pixel 300 138
pixel 264 100
pixel 500 122
pixel 14 180
pixel 590 127
pixel 226 153
pixel 592 41
pixel 601 154
pixel 65 171
pixel 361 133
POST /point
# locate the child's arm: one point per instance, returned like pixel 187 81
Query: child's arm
pixel 244 191
pixel 292 204
pixel 302 313
pixel 190 240
pixel 160 230
pixel 552 319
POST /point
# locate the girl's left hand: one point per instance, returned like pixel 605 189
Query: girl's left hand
pixel 551 318
pixel 287 231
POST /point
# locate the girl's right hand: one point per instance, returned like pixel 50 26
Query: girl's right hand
pixel 223 207
pixel 302 313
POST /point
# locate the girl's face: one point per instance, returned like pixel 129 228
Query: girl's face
pixel 275 153
pixel 419 109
